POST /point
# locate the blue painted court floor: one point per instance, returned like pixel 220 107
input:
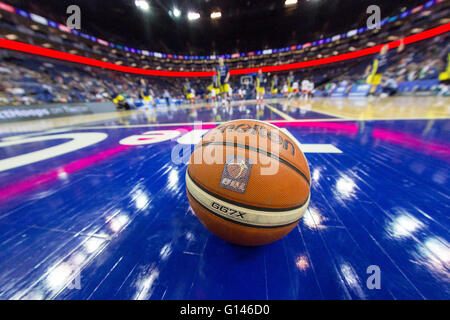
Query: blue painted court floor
pixel 99 211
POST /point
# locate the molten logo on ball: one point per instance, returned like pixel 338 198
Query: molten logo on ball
pixel 235 174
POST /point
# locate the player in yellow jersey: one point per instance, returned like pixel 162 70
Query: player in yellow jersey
pixel 223 78
pixel 290 82
pixel 213 88
pixel 146 93
pixel 374 72
pixel 444 76
pixel 274 86
pixel 188 90
pixel 260 84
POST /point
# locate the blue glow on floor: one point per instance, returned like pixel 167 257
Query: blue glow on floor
pixel 120 218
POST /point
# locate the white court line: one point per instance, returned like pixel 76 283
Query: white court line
pixel 285 116
pixel 312 148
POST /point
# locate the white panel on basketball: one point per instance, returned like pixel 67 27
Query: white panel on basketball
pixel 242 215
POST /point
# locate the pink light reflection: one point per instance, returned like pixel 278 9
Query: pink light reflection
pixel 330 126
pixel 414 142
pixel 16 188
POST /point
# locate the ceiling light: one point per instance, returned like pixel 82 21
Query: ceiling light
pixel 193 15
pixel 216 15
pixel 290 2
pixel 11 36
pixel 142 4
pixel 176 13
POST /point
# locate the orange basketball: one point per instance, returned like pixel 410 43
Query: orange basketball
pixel 248 182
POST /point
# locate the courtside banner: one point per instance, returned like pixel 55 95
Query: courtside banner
pixel 340 92
pixel 50 53
pixel 360 90
pixel 44 111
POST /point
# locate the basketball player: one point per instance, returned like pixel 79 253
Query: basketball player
pixel 260 83
pixel 146 93
pixel 374 72
pixel 223 77
pixel 274 86
pixel 444 76
pixel 310 89
pixel 295 89
pixel 285 89
pixel 305 88
pixel 188 90
pixel 290 81
pixel 241 93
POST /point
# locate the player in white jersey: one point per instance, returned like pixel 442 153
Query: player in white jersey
pixel 310 89
pixel 295 88
pixel 305 88
pixel 285 89
pixel 241 93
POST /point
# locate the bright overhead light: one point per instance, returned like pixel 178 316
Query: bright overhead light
pixel 142 4
pixel 290 2
pixel 11 36
pixel 193 15
pixel 216 15
pixel 176 13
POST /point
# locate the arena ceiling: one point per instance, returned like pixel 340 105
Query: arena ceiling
pixel 245 25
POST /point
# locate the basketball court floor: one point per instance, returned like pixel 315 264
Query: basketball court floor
pixel 95 207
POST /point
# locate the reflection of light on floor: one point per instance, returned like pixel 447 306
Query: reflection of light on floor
pixel 144 285
pixel 190 236
pixel 315 176
pixel 345 187
pixel 34 295
pixel 78 258
pixel 404 225
pixel 313 219
pixel 59 276
pixel 93 244
pixel 165 252
pixel 415 142
pixel 302 262
pixel 440 177
pixel 117 223
pixel 434 253
pixel 62 174
pixel 140 199
pixel 173 179
pixel 352 279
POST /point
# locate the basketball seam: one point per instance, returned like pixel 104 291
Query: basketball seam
pixel 243 205
pixel 243 146
pixel 237 222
